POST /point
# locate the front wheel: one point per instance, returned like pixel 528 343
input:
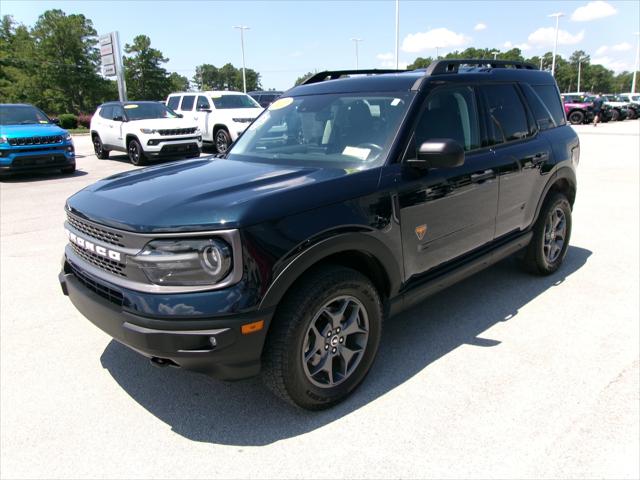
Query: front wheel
pixel 324 338
pixel 576 117
pixel 615 115
pixel 551 235
pixel 98 148
pixel 221 140
pixel 136 154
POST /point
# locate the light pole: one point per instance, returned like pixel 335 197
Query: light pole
pixel 541 58
pixel 397 31
pixel 437 54
pixel 242 28
pixel 635 70
pixel 579 65
pixel 356 41
pixel 494 53
pixel 555 44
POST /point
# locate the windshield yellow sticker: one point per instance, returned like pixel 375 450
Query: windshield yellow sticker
pixel 281 103
pixel 216 95
pixel 43 121
pixel 128 107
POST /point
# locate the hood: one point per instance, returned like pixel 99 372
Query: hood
pixel 163 123
pixel 38 129
pixel 210 194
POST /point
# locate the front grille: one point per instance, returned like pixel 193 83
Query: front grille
pixel 39 160
pixel 96 232
pixel 180 148
pixel 36 140
pixel 177 131
pixel 102 263
pixel 114 296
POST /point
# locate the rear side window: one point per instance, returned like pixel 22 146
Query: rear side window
pixel 543 117
pixel 549 96
pixel 173 102
pixel 187 102
pixel 106 112
pixel 202 103
pixel 507 116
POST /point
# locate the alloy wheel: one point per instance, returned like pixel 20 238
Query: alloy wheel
pixel 555 233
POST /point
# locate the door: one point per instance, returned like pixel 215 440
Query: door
pixel 521 153
pixel 202 117
pixel 114 131
pixel 448 212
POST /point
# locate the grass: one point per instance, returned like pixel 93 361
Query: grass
pixel 77 131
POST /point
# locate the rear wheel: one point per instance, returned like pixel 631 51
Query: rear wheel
pixel 136 154
pixel 68 170
pixel 576 117
pixel 551 235
pixel 99 149
pixel 615 115
pixel 324 338
pixel 222 140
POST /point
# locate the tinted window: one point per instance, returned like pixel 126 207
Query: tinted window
pixel 549 96
pixel 450 113
pixel 21 115
pixel 106 112
pixel 507 116
pixel 117 112
pixel 202 103
pixel 145 110
pixel 187 102
pixel 173 102
pixel 541 113
pixel 235 101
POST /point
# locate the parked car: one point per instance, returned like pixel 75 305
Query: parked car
pixel 620 108
pixel 577 110
pixel 285 255
pixel 630 97
pixel 30 140
pixel 265 98
pixel 221 115
pixel 145 131
pixel 619 101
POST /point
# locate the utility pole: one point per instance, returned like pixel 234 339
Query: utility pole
pixel 635 70
pixel 437 54
pixel 555 45
pixel 356 41
pixel 579 65
pixel 397 31
pixel 242 28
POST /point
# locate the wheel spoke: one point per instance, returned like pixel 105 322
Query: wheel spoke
pixel 347 354
pixel 352 326
pixel 337 315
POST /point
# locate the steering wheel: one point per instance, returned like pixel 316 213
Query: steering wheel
pixel 375 148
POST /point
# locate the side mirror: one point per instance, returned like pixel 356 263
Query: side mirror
pixel 55 121
pixel 180 115
pixel 438 153
pixel 118 118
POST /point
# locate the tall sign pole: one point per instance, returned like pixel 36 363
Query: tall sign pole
pixel 111 58
pixel 397 32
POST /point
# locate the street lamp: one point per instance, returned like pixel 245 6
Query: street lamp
pixel 437 54
pixel 555 45
pixel 397 31
pixel 356 41
pixel 635 70
pixel 494 53
pixel 242 28
pixel 579 65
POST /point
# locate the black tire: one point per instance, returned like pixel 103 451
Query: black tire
pixel 101 152
pixel 633 114
pixel 69 170
pixel 615 115
pixel 537 257
pixel 136 153
pixel 576 117
pixel 285 371
pixel 221 140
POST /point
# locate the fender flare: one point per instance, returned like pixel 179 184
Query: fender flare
pixel 563 173
pixel 352 241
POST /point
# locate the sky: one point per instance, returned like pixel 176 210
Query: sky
pixel 286 39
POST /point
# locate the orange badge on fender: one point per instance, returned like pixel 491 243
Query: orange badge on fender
pixel 420 231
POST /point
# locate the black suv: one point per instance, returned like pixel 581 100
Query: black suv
pixel 354 196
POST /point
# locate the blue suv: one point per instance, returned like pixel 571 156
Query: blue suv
pixel 30 140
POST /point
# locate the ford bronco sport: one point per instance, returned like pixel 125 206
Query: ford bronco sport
pixel 354 196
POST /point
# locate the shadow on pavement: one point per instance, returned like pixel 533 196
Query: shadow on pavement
pixel 245 413
pixel 39 176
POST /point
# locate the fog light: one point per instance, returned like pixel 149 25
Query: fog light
pixel 152 142
pixel 213 341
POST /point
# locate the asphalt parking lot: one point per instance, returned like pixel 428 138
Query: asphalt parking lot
pixel 504 375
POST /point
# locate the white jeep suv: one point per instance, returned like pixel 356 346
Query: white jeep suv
pixel 221 115
pixel 144 130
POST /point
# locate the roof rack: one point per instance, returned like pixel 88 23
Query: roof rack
pixel 442 67
pixel 333 75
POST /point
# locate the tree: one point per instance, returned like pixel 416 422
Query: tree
pixel 302 78
pixel 228 77
pixel 145 76
pixel 179 83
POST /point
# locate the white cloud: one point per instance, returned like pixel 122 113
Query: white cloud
pixel 522 46
pixel 545 37
pixel 384 56
pixel 480 26
pixel 621 47
pixel 436 37
pixel 615 65
pixel 593 11
pixel 601 50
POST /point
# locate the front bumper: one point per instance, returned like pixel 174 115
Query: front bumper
pixel 163 147
pixel 215 346
pixel 25 159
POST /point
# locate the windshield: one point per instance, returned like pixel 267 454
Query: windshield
pixel 143 111
pixel 21 115
pixel 339 130
pixel 235 101
pixel 635 98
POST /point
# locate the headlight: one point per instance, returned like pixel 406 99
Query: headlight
pixel 148 130
pixel 4 139
pixel 67 137
pixel 185 262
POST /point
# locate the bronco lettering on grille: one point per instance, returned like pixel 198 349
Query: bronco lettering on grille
pixel 92 247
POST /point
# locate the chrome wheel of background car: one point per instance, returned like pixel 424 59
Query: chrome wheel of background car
pixel 335 341
pixel 555 232
pixel 222 141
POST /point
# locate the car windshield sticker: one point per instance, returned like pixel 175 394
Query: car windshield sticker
pixel 128 107
pixel 281 103
pixel 361 153
pixel 395 102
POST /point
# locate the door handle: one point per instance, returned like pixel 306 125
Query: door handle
pixel 482 176
pixel 540 157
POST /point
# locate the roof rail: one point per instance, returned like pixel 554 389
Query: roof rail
pixel 333 75
pixel 441 67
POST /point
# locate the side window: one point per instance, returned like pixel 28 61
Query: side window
pixel 541 113
pixel 507 116
pixel 203 103
pixel 118 111
pixel 106 112
pixel 549 95
pixel 187 103
pixel 173 102
pixel 450 113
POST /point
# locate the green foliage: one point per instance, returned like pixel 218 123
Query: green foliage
pixel 146 78
pixel 178 83
pixel 227 77
pixel 68 120
pixel 301 79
